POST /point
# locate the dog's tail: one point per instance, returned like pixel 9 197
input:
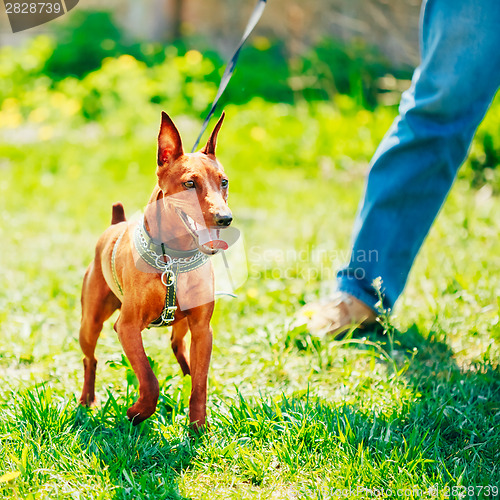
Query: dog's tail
pixel 118 214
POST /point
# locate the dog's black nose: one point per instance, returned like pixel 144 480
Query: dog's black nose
pixel 223 220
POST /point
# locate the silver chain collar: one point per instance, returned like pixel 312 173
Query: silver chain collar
pixel 167 276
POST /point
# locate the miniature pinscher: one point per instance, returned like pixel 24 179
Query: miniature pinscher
pixel 145 268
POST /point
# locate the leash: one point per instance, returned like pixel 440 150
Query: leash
pixel 172 262
pixel 161 258
pixel 228 72
pixel 226 77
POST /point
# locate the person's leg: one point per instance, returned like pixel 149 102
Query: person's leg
pixel 416 163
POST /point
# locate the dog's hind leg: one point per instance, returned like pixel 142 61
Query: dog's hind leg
pixel 98 303
pixel 178 342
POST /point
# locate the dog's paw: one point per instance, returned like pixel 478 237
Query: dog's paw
pixel 197 429
pixel 88 400
pixel 136 414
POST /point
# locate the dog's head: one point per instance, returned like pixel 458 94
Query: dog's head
pixel 194 184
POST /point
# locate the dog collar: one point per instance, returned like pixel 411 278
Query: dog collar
pixel 169 261
pixel 158 255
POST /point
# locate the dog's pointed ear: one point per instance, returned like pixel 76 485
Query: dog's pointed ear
pixel 209 148
pixel 169 141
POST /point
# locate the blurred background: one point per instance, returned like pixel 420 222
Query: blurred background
pixel 315 89
pixel 359 48
pixel 390 26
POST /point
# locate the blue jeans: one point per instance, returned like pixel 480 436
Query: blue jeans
pixel 416 163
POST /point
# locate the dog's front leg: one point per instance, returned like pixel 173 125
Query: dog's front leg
pixel 200 353
pixel 130 337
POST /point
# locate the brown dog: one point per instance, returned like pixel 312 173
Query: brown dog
pixel 139 267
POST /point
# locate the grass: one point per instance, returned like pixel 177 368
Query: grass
pixel 292 416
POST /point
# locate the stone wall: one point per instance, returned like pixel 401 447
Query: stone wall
pixel 391 25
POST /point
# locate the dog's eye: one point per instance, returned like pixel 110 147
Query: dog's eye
pixel 224 183
pixel 189 184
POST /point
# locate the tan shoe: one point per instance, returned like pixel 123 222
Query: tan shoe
pixel 335 316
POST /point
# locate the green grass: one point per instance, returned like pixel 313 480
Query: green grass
pixel 291 415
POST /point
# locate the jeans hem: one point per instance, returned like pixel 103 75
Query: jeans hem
pixel 350 286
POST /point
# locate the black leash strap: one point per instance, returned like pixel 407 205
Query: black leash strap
pixel 228 72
